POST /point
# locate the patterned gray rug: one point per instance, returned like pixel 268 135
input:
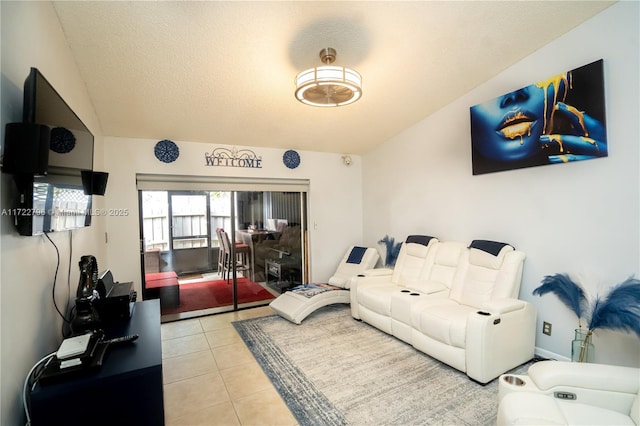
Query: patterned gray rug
pixel 334 370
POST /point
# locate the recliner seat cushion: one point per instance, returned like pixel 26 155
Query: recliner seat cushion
pixel 377 298
pixel 445 321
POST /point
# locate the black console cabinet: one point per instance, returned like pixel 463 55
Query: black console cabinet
pixel 125 390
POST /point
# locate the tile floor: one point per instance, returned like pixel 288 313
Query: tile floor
pixel 211 378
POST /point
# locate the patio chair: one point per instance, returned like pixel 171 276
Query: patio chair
pixel 226 262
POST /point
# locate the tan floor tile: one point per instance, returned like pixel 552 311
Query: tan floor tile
pixel 198 392
pixel 190 395
pixel 216 415
pixel 232 355
pixel 262 311
pixel 264 408
pixel 171 330
pixel 244 380
pixel 218 321
pixel 222 337
pixel 186 366
pixel 184 345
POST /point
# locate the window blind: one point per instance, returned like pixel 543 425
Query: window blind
pixel 150 182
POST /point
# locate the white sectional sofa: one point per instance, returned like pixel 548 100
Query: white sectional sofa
pixel 454 301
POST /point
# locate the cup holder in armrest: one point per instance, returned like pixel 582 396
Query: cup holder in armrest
pixel 514 380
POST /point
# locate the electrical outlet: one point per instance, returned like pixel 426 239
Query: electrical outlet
pixel 546 328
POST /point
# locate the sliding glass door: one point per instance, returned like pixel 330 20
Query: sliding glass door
pixel 273 226
pixel 189 232
pixel 187 264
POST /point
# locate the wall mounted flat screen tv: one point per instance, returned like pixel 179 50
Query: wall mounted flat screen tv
pixel 55 201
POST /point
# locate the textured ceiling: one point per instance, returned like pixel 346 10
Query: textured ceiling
pixel 222 71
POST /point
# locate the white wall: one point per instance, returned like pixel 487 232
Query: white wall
pixel 30 327
pixel 581 218
pixel 334 199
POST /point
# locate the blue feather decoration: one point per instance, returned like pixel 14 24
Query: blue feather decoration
pixel 392 250
pixel 569 292
pixel 620 310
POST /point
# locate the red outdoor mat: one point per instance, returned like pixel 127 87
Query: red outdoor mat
pixel 216 293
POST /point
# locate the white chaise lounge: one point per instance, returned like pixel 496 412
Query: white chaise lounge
pixel 296 304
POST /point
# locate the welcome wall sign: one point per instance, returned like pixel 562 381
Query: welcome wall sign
pixel 224 157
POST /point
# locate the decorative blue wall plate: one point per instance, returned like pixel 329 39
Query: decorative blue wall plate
pixel 291 159
pixel 166 151
pixel 62 140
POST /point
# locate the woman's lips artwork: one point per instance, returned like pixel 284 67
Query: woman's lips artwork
pixel 517 126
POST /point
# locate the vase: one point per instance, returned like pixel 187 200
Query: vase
pixel 582 349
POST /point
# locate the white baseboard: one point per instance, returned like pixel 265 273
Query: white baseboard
pixel 543 353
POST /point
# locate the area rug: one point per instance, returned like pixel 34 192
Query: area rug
pixel 216 293
pixel 334 370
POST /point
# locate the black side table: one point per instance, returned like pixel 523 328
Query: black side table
pixel 125 390
pixel 280 269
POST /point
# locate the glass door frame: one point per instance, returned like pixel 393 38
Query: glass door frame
pixel 232 246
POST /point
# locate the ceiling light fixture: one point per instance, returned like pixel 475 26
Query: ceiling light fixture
pixel 328 85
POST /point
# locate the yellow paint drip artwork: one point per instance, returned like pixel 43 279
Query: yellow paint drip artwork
pixel 557 120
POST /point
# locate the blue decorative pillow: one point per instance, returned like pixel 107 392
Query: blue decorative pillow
pixel 356 254
pixel 491 247
pixel 419 239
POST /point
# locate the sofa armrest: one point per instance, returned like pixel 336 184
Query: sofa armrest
pixel 610 387
pixel 378 272
pixel 497 341
pixel 502 306
pixel 427 287
pixel 549 374
pixel 363 281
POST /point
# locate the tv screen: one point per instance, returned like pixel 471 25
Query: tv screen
pixel 59 205
pixel 55 201
pixel 71 143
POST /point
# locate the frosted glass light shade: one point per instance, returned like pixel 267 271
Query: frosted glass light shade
pixel 328 86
